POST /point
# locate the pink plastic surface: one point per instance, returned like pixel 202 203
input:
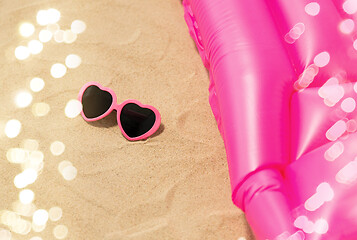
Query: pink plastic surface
pixel 282 89
pixel 118 108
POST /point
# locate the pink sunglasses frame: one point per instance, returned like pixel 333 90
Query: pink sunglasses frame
pixel 118 108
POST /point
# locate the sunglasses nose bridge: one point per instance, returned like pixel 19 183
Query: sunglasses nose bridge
pixel 116 106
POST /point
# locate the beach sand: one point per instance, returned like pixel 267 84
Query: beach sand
pixel 174 185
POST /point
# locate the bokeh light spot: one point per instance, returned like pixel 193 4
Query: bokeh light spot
pixel 325 191
pixel 54 27
pixel 60 231
pixel 73 61
pixel 78 26
pixel 36 156
pixel 348 174
pixel 58 70
pixel 331 92
pixel 73 108
pixel 55 214
pixel 62 165
pixel 26 29
pixel 37 84
pixel 5 234
pixel 350 6
pixel 40 109
pixel 309 227
pixel 69 173
pixel 29 175
pixel 36 238
pixel 12 128
pixel 348 105
pixel 42 17
pixel 313 203
pixel 295 33
pixel 26 196
pixel 59 36
pixel 336 130
pixel 300 221
pixel 69 36
pixel 307 77
pixel 57 148
pixel 40 217
pixel 53 15
pixel 9 218
pixel 49 16
pixel 16 155
pixel 35 46
pixel 334 151
pixel 26 210
pixel 22 52
pixel 323 91
pixel 45 35
pixel 20 181
pixel 312 8
pixel 347 26
pixel 38 228
pixel 35 161
pixel 289 39
pixel 355 44
pixel 298 235
pixel 321 226
pixel 299 28
pixel 22 227
pixel 351 125
pixel 322 59
pixel 23 99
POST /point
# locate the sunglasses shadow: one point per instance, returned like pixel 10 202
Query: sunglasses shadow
pixel 159 130
pixel 107 122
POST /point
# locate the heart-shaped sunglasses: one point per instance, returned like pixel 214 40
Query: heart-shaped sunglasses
pixel 136 121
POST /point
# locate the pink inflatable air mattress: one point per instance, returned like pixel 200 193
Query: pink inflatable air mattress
pixel 282 89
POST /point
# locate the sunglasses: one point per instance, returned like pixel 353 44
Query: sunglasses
pixel 136 121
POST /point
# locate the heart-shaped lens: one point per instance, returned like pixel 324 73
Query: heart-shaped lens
pixel 136 120
pixel 96 101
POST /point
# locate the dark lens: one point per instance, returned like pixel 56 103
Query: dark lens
pixel 136 120
pixel 96 101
